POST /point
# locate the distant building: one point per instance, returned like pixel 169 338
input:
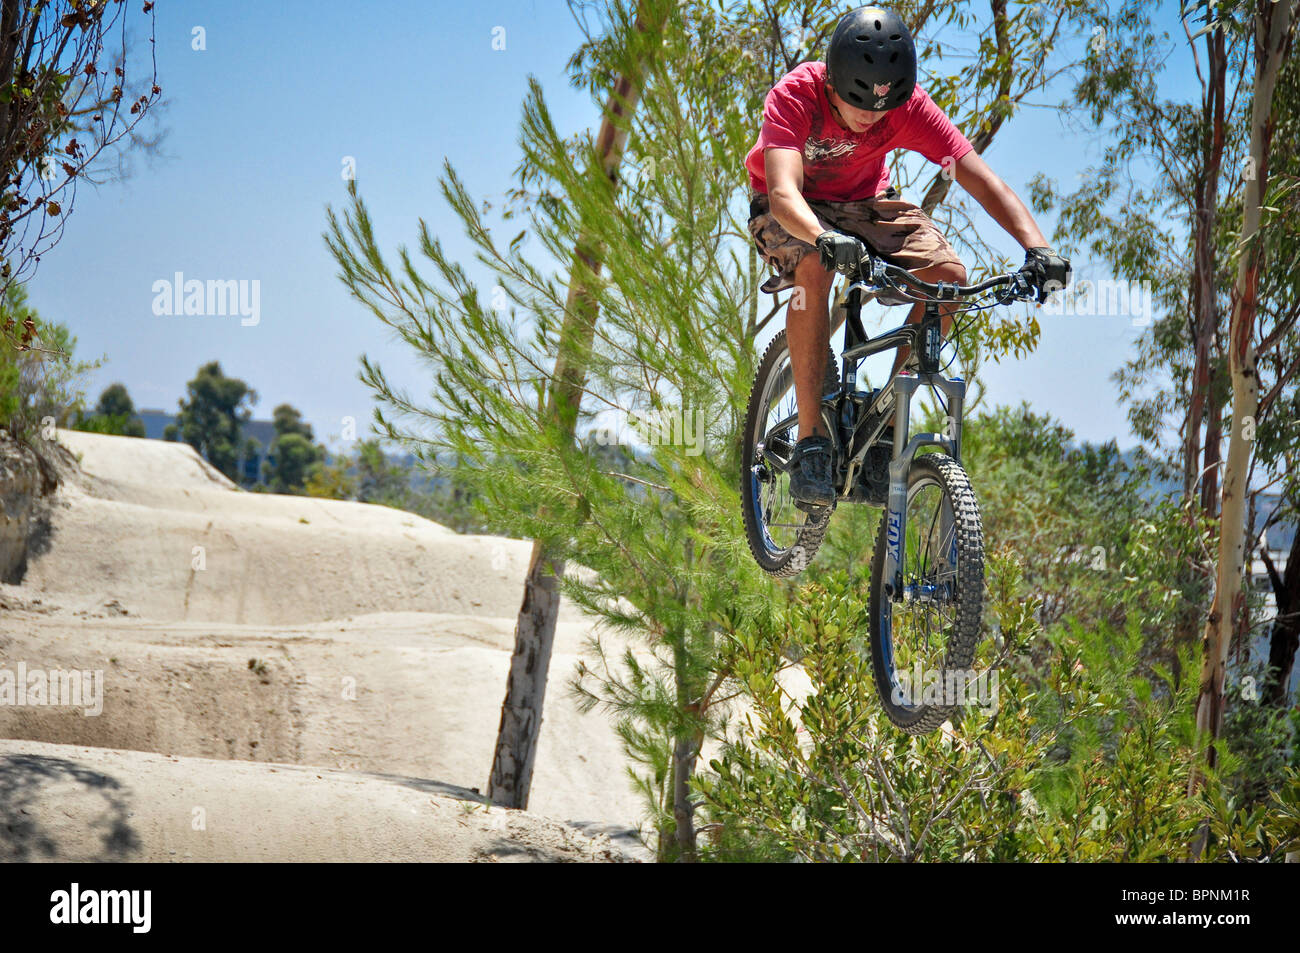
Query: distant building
pixel 263 431
pixel 155 422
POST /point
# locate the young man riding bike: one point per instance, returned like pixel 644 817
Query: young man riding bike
pixel 821 189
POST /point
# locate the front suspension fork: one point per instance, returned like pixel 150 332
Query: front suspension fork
pixel 905 386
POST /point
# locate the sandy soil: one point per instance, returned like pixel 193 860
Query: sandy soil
pixel 63 803
pixel 263 628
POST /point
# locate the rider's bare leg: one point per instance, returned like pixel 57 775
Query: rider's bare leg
pixel 948 271
pixel 808 332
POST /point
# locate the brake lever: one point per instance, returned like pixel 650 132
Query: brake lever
pixel 870 275
pixel 1019 290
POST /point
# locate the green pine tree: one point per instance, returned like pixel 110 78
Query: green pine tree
pixel 292 455
pixel 40 382
pixel 660 531
pixel 114 414
pixel 212 416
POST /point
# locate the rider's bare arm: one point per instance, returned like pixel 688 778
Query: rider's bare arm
pixel 784 169
pixel 997 198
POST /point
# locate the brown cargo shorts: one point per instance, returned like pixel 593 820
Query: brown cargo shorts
pixel 898 231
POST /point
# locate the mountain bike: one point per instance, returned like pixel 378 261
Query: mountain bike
pixel 927 571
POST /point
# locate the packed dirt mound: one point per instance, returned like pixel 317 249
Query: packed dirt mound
pixel 414 693
pixel 66 804
pixel 264 628
pixel 116 470
pixel 178 541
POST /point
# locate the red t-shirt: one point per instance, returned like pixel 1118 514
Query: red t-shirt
pixel 840 165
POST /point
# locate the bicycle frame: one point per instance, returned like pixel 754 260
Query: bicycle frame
pixel 925 340
pixel 853 441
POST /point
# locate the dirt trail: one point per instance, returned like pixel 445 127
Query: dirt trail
pixel 63 803
pixel 262 628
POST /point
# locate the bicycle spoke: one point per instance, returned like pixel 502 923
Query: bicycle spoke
pixel 923 622
pixel 777 437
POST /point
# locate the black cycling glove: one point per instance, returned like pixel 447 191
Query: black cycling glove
pixel 1046 271
pixel 840 252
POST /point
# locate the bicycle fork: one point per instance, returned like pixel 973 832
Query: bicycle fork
pixel 905 386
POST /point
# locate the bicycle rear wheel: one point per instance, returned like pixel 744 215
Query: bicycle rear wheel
pixel 923 646
pixel 782 538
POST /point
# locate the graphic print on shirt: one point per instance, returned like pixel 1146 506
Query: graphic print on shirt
pixel 829 148
pixel 819 150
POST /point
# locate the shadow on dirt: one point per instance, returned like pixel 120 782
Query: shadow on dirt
pixel 26 780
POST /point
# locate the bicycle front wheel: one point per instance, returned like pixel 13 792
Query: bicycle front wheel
pixel 925 623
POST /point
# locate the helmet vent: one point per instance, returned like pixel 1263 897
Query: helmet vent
pixel 877 26
pixel 895 36
pixel 894 58
pixel 867 57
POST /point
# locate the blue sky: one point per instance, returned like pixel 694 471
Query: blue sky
pixel 260 123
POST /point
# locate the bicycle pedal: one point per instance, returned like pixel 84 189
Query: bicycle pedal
pixel 868 495
pixel 817 511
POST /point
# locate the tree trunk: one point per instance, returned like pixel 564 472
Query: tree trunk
pixel 1213 443
pixel 1205 315
pixel 687 743
pixel 1199 385
pixel 10 40
pixel 685 751
pixel 521 712
pixel 665 853
pixel 1272 31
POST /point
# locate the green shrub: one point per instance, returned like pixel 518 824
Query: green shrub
pixel 40 384
pixel 1085 756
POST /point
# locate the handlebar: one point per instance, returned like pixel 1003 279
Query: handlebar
pixel 876 274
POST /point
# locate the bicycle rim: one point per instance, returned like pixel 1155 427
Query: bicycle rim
pixel 779 520
pixel 923 645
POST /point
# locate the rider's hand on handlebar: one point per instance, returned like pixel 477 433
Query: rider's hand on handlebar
pixel 840 252
pixel 1046 271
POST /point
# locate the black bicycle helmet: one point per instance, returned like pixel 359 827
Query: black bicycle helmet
pixel 871 59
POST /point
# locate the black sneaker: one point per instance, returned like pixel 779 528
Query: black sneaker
pixel 810 473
